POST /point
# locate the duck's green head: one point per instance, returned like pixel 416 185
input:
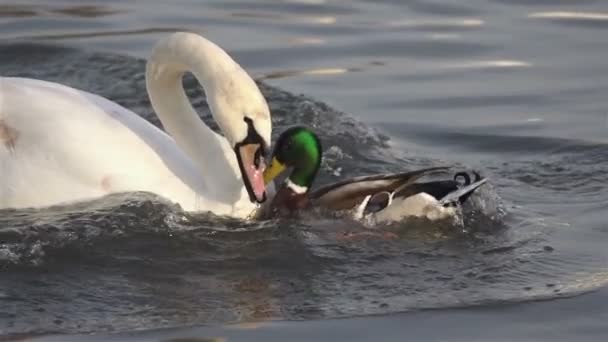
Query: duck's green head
pixel 300 149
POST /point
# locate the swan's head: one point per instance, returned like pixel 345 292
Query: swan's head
pixel 243 115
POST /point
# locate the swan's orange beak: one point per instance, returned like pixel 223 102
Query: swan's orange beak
pixel 251 163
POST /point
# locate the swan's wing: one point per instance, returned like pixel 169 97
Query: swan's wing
pixel 351 192
pixel 69 141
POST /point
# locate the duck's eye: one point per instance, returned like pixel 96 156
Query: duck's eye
pixel 289 145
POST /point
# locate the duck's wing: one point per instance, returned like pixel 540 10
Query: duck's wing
pixel 444 191
pixel 351 192
pixel 437 189
pixel 462 193
pixel 432 200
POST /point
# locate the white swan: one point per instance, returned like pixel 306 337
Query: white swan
pixel 61 145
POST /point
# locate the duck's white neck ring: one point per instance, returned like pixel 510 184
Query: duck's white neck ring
pixel 298 189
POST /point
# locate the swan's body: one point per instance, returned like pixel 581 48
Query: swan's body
pixel 60 145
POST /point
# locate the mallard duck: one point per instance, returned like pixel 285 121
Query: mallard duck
pixel 383 197
pixel 59 144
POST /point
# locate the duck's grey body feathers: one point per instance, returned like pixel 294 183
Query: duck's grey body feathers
pixel 393 197
pixel 351 192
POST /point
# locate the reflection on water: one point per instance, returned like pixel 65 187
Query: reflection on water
pixel 489 64
pixel 285 18
pixel 570 15
pixel 437 24
pixel 84 11
pixel 95 34
pixel 307 41
pixel 322 71
pixel 9 11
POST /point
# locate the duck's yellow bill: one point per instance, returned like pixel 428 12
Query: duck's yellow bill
pixel 273 170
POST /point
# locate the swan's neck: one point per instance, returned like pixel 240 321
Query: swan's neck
pixel 170 60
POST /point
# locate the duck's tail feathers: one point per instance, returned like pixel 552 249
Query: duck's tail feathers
pixel 464 191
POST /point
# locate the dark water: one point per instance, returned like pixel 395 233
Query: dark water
pixel 515 89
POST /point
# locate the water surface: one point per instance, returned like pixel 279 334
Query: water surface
pixel 514 89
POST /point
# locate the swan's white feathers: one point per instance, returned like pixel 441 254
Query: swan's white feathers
pixel 70 140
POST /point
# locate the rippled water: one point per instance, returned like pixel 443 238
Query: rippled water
pixel 514 89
